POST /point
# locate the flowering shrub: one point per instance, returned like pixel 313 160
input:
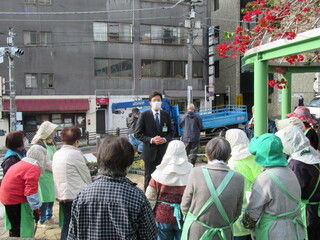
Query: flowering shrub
pixel 274 20
pixel 280 84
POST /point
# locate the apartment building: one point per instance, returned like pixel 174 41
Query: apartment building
pixel 82 56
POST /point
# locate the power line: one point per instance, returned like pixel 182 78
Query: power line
pixel 88 20
pixel 91 12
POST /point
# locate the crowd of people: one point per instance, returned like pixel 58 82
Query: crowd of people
pixel 263 188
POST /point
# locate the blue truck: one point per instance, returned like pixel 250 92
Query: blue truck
pixel 214 119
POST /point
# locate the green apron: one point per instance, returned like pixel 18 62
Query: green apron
pixel 304 204
pixel 176 211
pixel 46 184
pixel 26 223
pixel 214 199
pixel 267 220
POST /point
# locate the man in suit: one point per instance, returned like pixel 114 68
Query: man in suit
pixel 154 130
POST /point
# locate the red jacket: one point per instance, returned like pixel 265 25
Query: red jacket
pixel 20 181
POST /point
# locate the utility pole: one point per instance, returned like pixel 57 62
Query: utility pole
pixel 10 51
pixel 191 21
pixel 13 119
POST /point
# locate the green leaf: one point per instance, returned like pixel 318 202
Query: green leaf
pixel 227 35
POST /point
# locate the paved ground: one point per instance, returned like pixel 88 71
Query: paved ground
pixel 55 232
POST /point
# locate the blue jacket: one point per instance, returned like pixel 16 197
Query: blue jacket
pixel 192 125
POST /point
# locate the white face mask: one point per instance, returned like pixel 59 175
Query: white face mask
pixel 156 105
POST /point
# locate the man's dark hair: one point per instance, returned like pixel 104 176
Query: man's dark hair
pixel 14 140
pixel 70 135
pixel 114 156
pixel 155 94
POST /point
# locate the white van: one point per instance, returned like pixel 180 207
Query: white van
pixel 314 107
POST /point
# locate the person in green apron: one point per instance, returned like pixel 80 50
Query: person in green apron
pixel 303 113
pixel 18 193
pixel 212 200
pixel 16 149
pixel 44 138
pixel 242 161
pixel 304 161
pixel 273 211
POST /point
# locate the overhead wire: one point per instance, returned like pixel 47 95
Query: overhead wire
pixel 92 12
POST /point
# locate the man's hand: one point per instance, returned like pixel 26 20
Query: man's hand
pixel 158 140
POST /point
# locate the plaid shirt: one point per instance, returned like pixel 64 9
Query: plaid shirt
pixel 112 208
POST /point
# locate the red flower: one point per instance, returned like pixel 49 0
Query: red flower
pixel 306 9
pixel 223 48
pixel 272 83
pixel 234 56
pixel 256 11
pixel 269 16
pixel 239 29
pixel 257 29
pixel 300 58
pixel 247 17
pixel 290 35
pixel 279 70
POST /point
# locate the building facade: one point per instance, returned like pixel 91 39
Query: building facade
pixel 81 56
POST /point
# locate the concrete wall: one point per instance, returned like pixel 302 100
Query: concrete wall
pixel 302 84
pixel 227 18
pixel 71 58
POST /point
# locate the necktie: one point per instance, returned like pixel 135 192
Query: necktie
pixel 157 122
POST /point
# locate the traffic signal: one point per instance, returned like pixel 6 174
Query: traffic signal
pixel 14 51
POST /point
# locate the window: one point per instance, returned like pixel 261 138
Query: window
pixel 47 80
pixel 163 34
pixel 114 32
pixel 40 2
pixel 215 5
pixel 120 67
pixel 217 69
pixel 100 31
pixel 216 35
pixel 45 38
pixel 30 37
pixel 101 67
pixel 31 80
pixel 33 38
pixel 168 35
pixel 197 69
pixel 113 67
pixel 44 2
pixel 167 1
pixel 169 69
pixel 30 1
pixel 156 34
pixel 145 33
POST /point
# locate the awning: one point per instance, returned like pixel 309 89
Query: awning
pixel 45 105
pixel 183 93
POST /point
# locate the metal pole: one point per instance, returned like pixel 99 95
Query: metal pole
pixel 13 119
pixel 286 96
pixel 205 97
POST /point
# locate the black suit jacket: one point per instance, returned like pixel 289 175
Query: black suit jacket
pixel 146 129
